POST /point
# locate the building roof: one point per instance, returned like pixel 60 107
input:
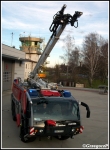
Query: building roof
pixel 33 39
pixel 12 53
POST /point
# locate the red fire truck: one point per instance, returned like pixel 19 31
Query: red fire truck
pixel 40 111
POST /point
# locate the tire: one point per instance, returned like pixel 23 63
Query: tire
pixel 32 139
pixel 28 140
pixel 25 139
pixel 62 137
pixel 13 111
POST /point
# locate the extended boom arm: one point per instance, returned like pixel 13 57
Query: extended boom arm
pixel 60 20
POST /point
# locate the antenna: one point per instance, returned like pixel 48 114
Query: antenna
pixel 24 33
pixel 29 45
pixel 30 34
pixel 39 33
pixel 12 39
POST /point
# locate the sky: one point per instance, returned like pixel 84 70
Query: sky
pixel 33 18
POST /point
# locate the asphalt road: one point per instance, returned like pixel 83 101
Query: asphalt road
pixel 95 128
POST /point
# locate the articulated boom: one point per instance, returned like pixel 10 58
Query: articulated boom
pixel 60 20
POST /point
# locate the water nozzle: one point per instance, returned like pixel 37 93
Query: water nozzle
pixel 75 16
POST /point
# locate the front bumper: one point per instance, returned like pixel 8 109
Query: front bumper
pixel 53 131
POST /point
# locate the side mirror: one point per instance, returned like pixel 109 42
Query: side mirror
pixel 88 114
pixel 87 108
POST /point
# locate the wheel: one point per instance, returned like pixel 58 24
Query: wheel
pixel 32 139
pixel 22 135
pixel 62 137
pixel 26 139
pixel 13 111
pixel 23 139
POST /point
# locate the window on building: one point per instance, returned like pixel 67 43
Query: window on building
pixel 6 76
pixel 36 42
pixel 20 63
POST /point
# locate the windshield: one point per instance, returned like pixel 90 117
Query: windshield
pixel 55 109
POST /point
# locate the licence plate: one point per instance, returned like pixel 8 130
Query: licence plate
pixel 59 131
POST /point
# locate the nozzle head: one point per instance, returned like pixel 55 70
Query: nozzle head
pixel 78 13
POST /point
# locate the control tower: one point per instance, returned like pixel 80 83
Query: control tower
pixel 33 49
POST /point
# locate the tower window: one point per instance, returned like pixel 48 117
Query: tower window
pixel 35 42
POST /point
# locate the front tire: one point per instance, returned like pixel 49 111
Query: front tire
pixel 26 139
pixel 22 134
pixel 23 139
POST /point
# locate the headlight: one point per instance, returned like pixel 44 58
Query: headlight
pixel 73 130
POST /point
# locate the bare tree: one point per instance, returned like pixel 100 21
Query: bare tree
pixel 91 50
pixel 103 62
pixel 68 47
pixel 74 61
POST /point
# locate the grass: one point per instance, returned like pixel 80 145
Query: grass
pixel 95 83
